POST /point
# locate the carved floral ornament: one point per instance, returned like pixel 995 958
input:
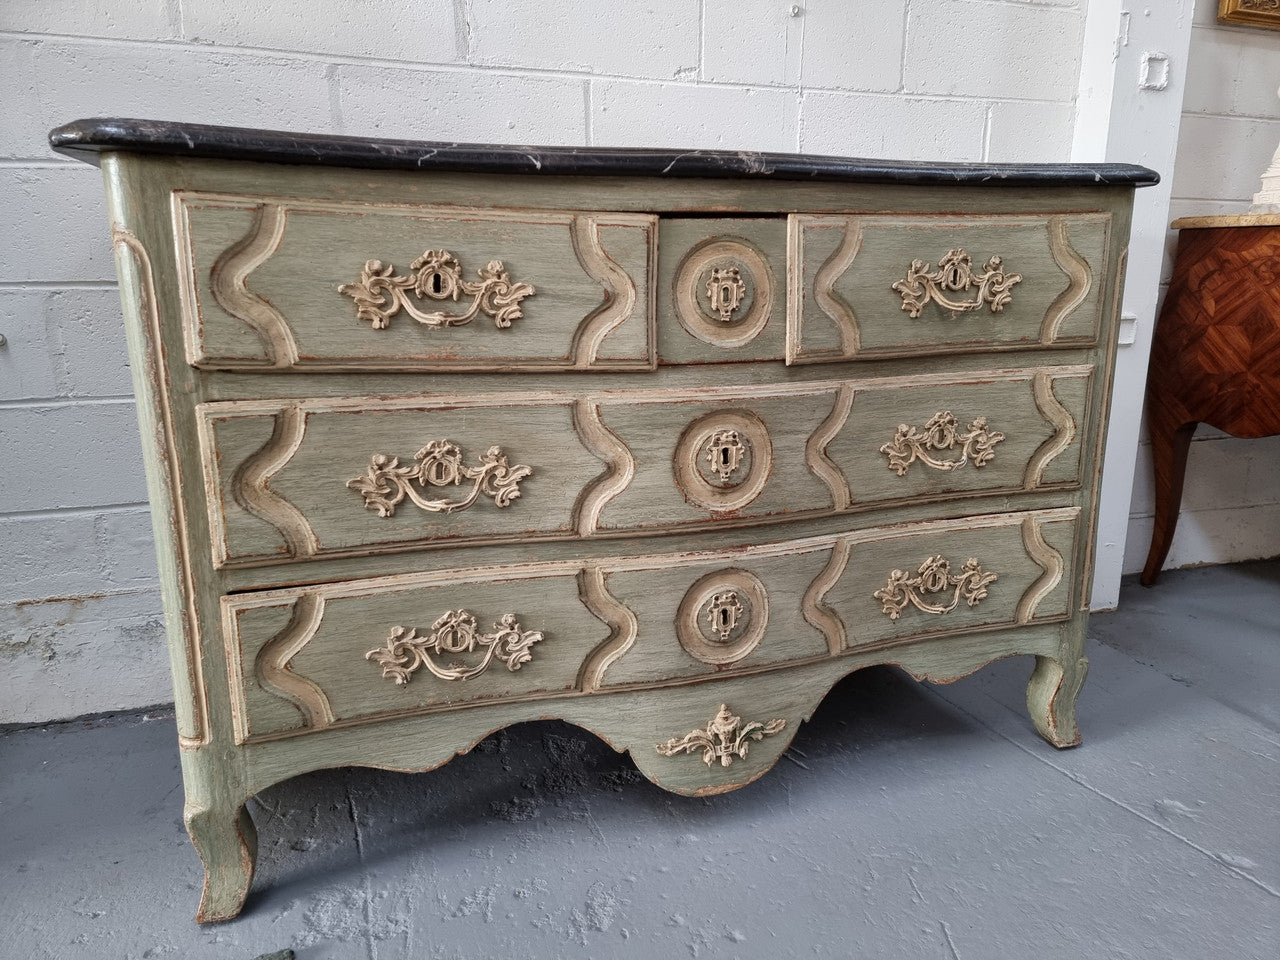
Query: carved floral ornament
pixel 942 432
pixel 436 275
pixel 724 738
pixel 452 634
pixel 934 577
pixel 955 274
pixel 438 465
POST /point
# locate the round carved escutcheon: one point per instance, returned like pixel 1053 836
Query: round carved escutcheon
pixel 723 459
pixel 723 616
pixel 724 292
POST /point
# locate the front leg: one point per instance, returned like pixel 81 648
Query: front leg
pixel 1051 699
pixel 227 841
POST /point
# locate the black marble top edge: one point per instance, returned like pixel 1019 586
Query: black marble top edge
pixel 87 139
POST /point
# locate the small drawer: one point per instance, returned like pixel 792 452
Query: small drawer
pixel 304 479
pixel 722 294
pixel 282 284
pixel 873 287
pixel 307 659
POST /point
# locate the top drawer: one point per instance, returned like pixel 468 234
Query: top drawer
pixel 874 287
pixel 276 283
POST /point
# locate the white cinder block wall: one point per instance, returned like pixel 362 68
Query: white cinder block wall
pixel 80 623
pixel 1230 129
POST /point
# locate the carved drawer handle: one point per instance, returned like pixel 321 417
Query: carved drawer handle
pixel 436 275
pixel 955 274
pixel 438 464
pixel 934 577
pixel 723 738
pixel 454 633
pixel 977 445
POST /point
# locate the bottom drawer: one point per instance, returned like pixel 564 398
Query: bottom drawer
pixel 311 658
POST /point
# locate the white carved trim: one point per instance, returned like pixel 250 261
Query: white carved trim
pixel 144 288
pixel 271 666
pixel 1076 268
pixel 620 619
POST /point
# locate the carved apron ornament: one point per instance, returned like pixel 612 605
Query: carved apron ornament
pixel 724 738
pixel 436 275
pixel 934 577
pixel 955 274
pixel 438 465
pixel 452 634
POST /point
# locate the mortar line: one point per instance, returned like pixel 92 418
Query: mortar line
pixel 493 69
pixel 57 284
pixel 27 403
pixel 51 512
pixel 1209 854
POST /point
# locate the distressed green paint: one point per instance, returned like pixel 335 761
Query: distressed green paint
pixel 245 727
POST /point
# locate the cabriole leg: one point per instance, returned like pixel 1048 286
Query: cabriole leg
pixel 227 842
pixel 1051 699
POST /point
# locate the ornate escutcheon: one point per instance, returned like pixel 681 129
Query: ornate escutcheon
pixel 955 274
pixel 723 459
pixel 723 738
pixel 934 577
pixel 723 616
pixel 725 451
pixel 976 445
pixel 436 275
pixel 454 633
pixel 724 292
pixel 438 464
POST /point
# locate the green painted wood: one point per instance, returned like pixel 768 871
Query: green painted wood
pixel 232 630
pixel 856 262
pixel 266 275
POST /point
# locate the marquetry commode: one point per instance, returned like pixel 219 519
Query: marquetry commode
pixel 442 438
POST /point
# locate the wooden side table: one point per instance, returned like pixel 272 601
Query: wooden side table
pixel 1216 357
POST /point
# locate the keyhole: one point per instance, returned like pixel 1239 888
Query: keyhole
pixel 724 619
pixel 724 456
pixel 436 285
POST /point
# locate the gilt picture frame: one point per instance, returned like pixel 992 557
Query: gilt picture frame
pixel 1250 13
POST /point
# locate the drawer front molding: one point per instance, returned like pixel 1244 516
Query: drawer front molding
pixel 955 274
pixel 724 292
pixel 438 465
pixel 846 269
pixel 734 612
pixel 942 432
pixel 932 578
pixel 436 275
pixel 453 634
pixel 268 283
pixel 660 460
pixel 723 616
pixel 724 738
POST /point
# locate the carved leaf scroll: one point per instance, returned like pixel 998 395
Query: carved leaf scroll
pixel 436 275
pixel 438 465
pixel 724 738
pixel 955 274
pixel 454 634
pixel 942 432
pixel 934 577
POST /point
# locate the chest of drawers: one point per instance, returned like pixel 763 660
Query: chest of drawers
pixel 442 438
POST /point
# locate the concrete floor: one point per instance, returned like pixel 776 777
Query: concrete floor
pixel 906 821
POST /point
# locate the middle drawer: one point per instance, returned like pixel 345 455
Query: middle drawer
pixel 308 478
